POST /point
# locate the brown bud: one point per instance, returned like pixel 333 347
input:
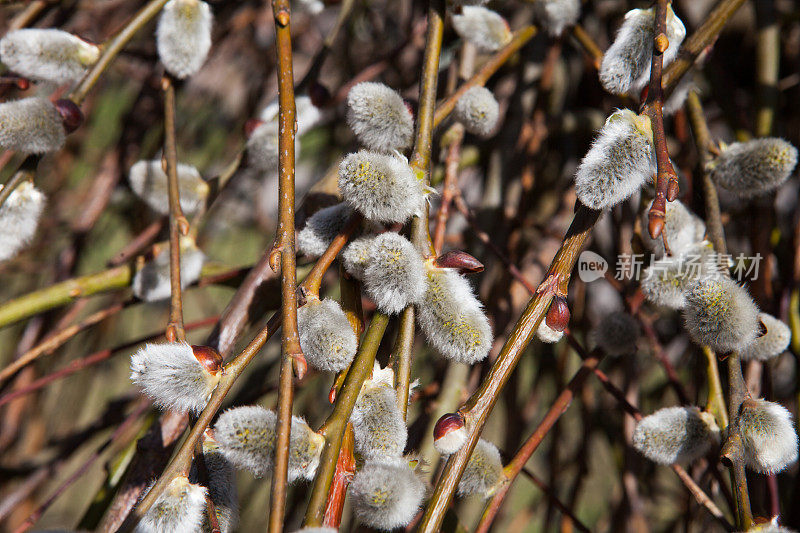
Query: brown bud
pixel 449 434
pixel 662 43
pixel 557 317
pixel 208 357
pixel 465 263
pixel 447 423
pixel 71 115
pixel 251 125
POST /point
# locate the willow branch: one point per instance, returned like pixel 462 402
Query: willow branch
pixel 517 463
pixel 291 353
pixel 178 225
pixel 666 178
pixel 520 39
pixel 183 458
pixel 113 47
pixel 58 338
pixel 588 45
pixel 90 360
pixel 698 41
pixel 480 404
pixel 733 454
pixel 73 289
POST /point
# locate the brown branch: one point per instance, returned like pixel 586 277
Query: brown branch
pixel 183 457
pixel 698 42
pixel 450 186
pixel 589 46
pixel 520 39
pixel 666 178
pixel 58 338
pixel 121 431
pixel 90 360
pixel 477 409
pixel 178 225
pixel 291 353
pixel 517 463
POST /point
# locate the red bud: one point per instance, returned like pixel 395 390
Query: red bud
pixel 208 357
pixel 557 317
pixel 447 423
pixel 465 263
pixel 71 114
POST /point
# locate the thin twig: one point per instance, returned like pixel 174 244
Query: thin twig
pixel 58 338
pixel 291 353
pixel 477 409
pixel 90 360
pixel 517 463
pixel 178 225
pixel 118 433
pixel 698 42
pixel 666 178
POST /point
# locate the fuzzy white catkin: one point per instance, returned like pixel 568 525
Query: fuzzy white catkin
pixel 171 375
pixel 618 163
pixel 484 471
pixel 326 337
pixel 484 28
pixel 556 15
pixel 150 183
pixel 452 318
pixel 772 343
pixel 305 449
pixel 683 229
pixel 221 488
pixel 768 435
pixel 19 218
pixel 666 281
pixel 386 494
pixel 675 435
pixel 183 36
pixel 626 64
pixel 379 117
pixel 617 333
pixel 547 334
pixel 754 167
pixel 356 255
pixel 382 187
pixel 394 275
pixel 179 509
pixel 478 110
pixel 152 282
pixel 31 126
pixel 378 424
pixel 246 436
pixel 720 314
pixel 321 228
pixel 47 54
